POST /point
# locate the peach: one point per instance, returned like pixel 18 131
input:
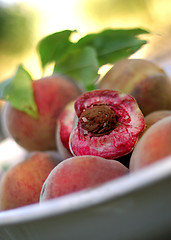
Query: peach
pixel 79 173
pixel 108 124
pixel 153 146
pixel 51 96
pixel 155 116
pixel 142 79
pixel 21 184
pixel 64 127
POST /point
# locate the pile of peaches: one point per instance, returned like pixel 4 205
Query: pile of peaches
pixel 100 135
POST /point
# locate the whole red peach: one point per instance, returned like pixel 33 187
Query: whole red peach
pixel 51 96
pixel 78 173
pixel 21 184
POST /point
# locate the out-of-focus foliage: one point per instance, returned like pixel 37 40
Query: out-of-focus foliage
pixel 18 35
pixel 17 29
pixel 21 25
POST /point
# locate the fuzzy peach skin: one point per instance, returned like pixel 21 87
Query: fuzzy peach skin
pixel 21 184
pixel 78 173
pixel 118 134
pixel 154 145
pixel 51 96
pixel 64 127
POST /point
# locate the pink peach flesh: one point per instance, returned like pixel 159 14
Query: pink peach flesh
pixel 108 126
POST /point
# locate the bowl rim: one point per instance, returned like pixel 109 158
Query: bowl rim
pixel 87 198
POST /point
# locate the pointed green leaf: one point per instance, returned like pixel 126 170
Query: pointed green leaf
pixel 112 45
pixel 81 65
pixel 54 46
pixel 18 91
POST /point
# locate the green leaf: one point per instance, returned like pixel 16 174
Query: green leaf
pixel 81 65
pixel 18 91
pixel 125 50
pixel 112 45
pixel 54 46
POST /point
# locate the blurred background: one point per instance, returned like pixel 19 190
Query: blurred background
pixel 24 23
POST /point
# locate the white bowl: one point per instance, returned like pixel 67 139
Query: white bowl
pixel 134 207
